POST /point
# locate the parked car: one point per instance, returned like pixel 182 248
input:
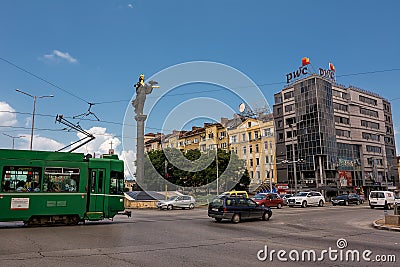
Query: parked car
pixel 268 199
pixel 235 193
pixel 383 199
pixel 397 200
pixel 237 209
pixel 362 199
pixel 346 200
pixel 305 199
pixel 182 202
pixel 285 197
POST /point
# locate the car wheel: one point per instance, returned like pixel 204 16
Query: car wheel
pixel 265 216
pixel 371 207
pixel 333 204
pixel 236 218
pixel 279 206
pixel 304 204
pixel 346 203
pixel 218 219
pixel 358 202
pixel 321 203
pixel 191 206
pixel 170 207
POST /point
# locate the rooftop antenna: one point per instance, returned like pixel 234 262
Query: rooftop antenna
pixel 88 136
pixel 87 113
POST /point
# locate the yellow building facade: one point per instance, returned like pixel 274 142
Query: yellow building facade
pixel 253 141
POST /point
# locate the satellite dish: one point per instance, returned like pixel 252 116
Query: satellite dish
pixel 242 107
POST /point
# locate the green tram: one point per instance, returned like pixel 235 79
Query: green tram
pixel 41 187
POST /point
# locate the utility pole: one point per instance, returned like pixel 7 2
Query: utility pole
pixel 13 138
pixel 34 109
pixel 294 162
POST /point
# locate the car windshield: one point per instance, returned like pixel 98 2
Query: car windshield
pixel 301 194
pixel 172 198
pixel 259 197
pixel 341 197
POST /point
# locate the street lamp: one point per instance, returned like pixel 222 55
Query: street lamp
pixel 13 138
pixel 34 109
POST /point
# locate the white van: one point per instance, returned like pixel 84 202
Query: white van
pixel 383 199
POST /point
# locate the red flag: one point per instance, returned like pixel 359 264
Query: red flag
pixel 331 67
pixel 305 61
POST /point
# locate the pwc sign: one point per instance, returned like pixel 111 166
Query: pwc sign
pixel 296 74
pixel 303 70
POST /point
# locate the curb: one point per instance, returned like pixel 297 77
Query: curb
pixel 384 227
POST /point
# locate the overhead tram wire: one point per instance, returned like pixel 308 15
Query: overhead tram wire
pixel 178 94
pixel 42 79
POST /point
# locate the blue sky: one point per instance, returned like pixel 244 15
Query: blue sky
pixel 93 51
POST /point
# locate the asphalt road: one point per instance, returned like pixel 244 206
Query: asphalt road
pixel 190 238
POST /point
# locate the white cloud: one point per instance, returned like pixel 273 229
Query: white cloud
pixel 7 117
pixel 57 55
pixel 40 143
pixel 130 5
pixel 129 158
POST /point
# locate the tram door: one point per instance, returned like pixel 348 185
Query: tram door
pixel 96 190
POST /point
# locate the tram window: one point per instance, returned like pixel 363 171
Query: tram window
pixel 21 179
pixel 117 182
pixel 61 179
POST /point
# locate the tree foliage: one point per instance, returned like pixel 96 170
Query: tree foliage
pixel 195 169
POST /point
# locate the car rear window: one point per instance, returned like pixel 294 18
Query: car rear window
pixel 217 202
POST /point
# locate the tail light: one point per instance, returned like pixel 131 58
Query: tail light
pixel 224 209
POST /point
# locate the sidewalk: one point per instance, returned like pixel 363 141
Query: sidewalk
pixel 380 224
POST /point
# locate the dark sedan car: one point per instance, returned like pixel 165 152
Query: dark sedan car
pixel 346 200
pixel 237 209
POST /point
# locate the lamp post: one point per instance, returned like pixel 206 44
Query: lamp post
pixel 13 138
pixel 216 163
pixel 34 109
pixel 384 161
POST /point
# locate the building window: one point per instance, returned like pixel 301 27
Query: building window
pixel 223 145
pixel 370 136
pixel 244 150
pixel 342 120
pixel 251 162
pixel 250 149
pixel 249 124
pixel 289 108
pixel 267 132
pixel 249 136
pixel 370 124
pixel 256 134
pixel 233 139
pixel 257 150
pixel 369 112
pixel 374 149
pixel 288 95
pixel 343 133
pixel 243 137
pixel 341 107
pixel 368 100
pixel 257 161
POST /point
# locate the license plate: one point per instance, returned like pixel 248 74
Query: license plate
pixel 214 209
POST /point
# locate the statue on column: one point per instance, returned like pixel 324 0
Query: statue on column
pixel 142 89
